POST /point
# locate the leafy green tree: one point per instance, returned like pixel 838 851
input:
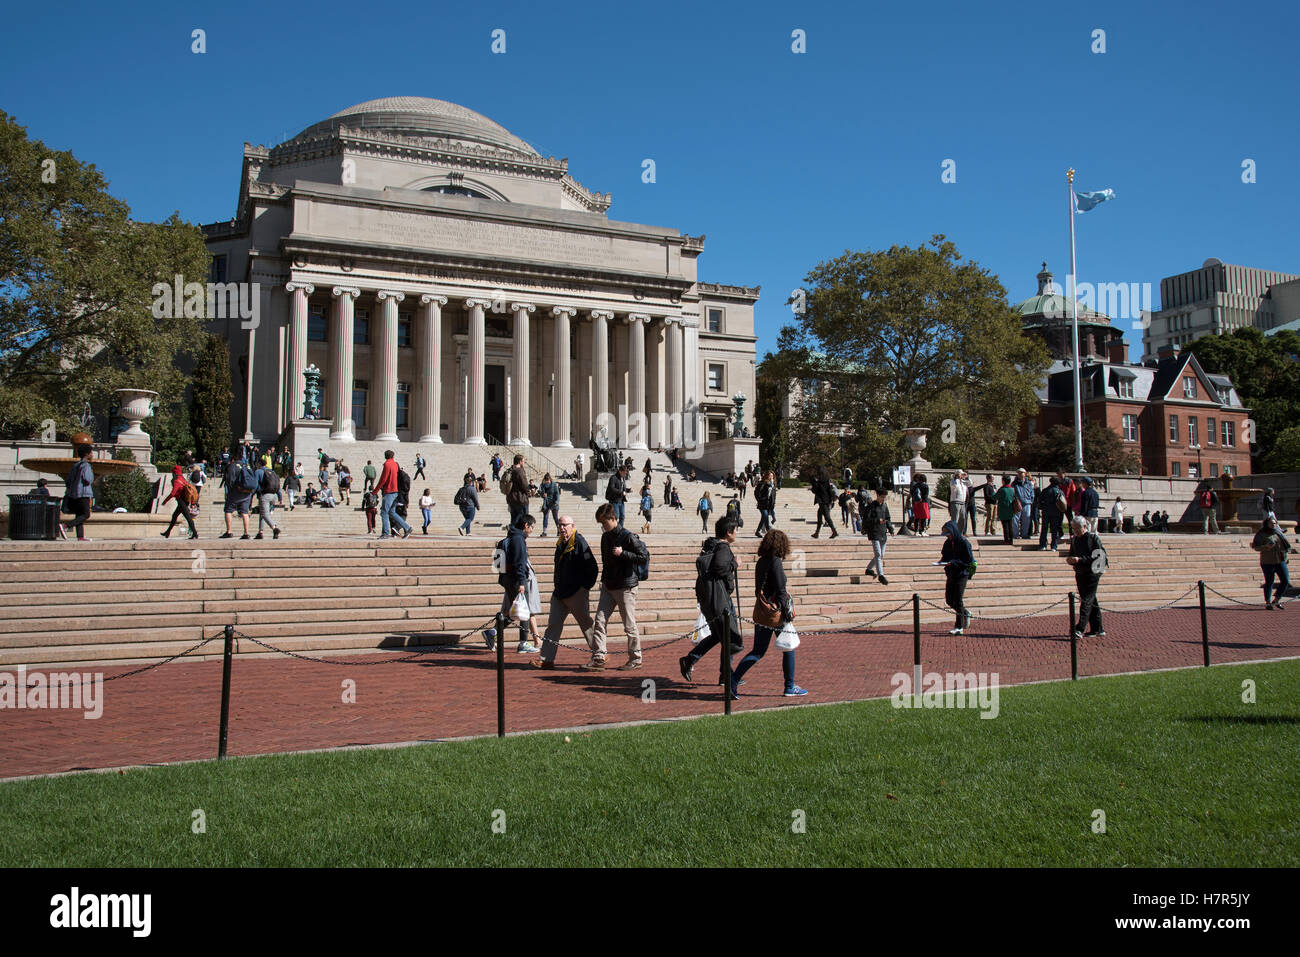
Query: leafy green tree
pixel 910 337
pixel 76 290
pixel 210 409
pixel 1285 456
pixel 1104 450
pixel 170 428
pixel 1265 371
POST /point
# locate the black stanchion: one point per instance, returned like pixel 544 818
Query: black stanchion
pixel 1205 625
pixel 225 691
pixel 1074 643
pixel 916 643
pixel 724 649
pixel 501 675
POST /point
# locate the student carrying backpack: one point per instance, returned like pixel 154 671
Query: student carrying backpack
pixel 733 513
pixel 245 479
pixel 403 492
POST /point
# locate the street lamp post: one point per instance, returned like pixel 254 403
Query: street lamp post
pixel 1197 450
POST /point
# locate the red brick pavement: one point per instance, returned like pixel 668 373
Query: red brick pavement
pixel 171 713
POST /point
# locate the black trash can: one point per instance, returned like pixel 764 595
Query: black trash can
pixel 33 518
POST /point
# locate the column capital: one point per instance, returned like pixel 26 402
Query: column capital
pixel 428 297
pixel 393 294
pixel 638 317
pixel 306 287
pixel 352 291
pixel 602 314
pixel 478 303
pixel 524 306
pixel 561 310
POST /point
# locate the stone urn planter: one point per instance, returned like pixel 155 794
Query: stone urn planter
pixel 134 405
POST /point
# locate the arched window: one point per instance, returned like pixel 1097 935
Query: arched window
pixel 449 190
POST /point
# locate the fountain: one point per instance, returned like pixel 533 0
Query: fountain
pixel 1230 498
pixel 61 466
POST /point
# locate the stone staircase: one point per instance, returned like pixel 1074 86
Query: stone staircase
pixel 109 604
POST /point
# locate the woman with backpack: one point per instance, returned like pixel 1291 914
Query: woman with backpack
pixel 647 508
pixel 467 501
pixel 344 478
pixel 773 604
pixel 1273 548
pixel 293 486
pixel 185 495
pixel 958 565
pixel 703 510
pixel 369 505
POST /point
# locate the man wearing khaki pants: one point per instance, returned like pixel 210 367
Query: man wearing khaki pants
pixel 620 551
pixel 575 573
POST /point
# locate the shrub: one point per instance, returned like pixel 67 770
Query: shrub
pixel 129 490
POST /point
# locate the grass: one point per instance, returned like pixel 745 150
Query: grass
pixel 1186 773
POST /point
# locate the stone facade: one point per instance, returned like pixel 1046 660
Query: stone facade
pixel 479 292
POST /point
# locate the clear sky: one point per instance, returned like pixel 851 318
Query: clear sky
pixel 782 159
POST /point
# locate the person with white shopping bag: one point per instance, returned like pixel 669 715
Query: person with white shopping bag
pixel 773 612
pixel 522 600
pixel 715 582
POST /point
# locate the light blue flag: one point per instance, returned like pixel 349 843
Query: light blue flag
pixel 1086 201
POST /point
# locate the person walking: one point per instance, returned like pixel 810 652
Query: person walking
pixel 824 497
pixel 1273 549
pixel 1090 504
pixel 268 496
pixel 990 490
pixel 771 591
pixel 293 487
pixel 466 499
pixel 877 525
pixel 647 470
pixel 575 574
pixel 370 505
pixel 616 492
pixel 647 509
pixel 517 578
pixel 715 583
pixel 370 473
pixel 703 509
pixel 426 510
pixel 921 504
pixel 1052 506
pixel 1024 491
pixel 958 496
pixel 958 562
pixel 241 483
pixel 185 495
pixel 388 486
pixel 1006 501
pixel 620 554
pixel 843 500
pixel 419 467
pixel 496 464
pixel 343 476
pixel 1088 556
pixel 1209 499
pixel 223 463
pixel 765 499
pixel 515 486
pixel 1117 515
pixel 549 492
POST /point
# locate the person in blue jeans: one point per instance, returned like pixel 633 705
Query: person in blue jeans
pixel 467 501
pixel 387 510
pixel 1273 549
pixel 769 577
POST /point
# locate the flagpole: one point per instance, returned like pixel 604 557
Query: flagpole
pixel 1074 326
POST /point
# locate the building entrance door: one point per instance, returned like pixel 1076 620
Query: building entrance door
pixel 494 403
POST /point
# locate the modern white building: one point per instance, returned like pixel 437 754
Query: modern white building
pixel 453 285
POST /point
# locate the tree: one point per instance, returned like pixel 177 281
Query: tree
pixel 1054 450
pixel 1266 374
pixel 1285 456
pixel 210 411
pixel 910 337
pixel 76 290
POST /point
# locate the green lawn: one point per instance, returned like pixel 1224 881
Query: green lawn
pixel 1186 773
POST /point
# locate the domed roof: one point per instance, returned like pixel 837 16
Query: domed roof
pixel 1049 305
pixel 425 117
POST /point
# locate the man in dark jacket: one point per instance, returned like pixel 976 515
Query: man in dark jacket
pixel 1208 499
pixel 1051 514
pixel 620 553
pixel 1088 557
pixel 824 497
pixel 466 499
pixel 958 561
pixel 876 523
pixel 575 573
pixel 715 583
pixel 1090 504
pixel 616 493
pixel 765 499
pixel 517 497
pixel 516 577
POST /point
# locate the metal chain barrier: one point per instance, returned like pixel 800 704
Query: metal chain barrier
pixel 417 656
pixel 1143 611
pixel 165 661
pixel 1235 601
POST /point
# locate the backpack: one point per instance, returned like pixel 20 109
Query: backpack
pixel 507 483
pixel 970 568
pixel 1061 503
pixel 459 498
pixel 245 480
pixel 188 495
pixel 403 482
pixel 270 483
pixel 1207 499
pixel 705 506
pixel 643 565
pixel 733 512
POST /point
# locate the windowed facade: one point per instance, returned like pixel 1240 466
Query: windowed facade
pixel 1189 387
pixel 361 327
pixel 716 380
pixel 404 330
pixel 359 391
pixel 217 269
pixel 1173 428
pixel 1125 388
pixel 1214 470
pixel 1130 428
pixel 403 405
pixel 714 320
pixel 1209 431
pixel 1193 432
pixel 1175 469
pixel 1229 434
pixel 317 324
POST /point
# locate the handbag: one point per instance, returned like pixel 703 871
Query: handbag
pixel 192 509
pixel 766 613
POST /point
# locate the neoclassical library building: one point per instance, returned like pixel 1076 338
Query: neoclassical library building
pixel 450 284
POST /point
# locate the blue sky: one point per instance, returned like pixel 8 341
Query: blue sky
pixel 782 159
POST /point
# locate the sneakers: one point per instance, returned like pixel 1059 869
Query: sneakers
pixel 687 666
pixel 1268 606
pixel 244 537
pixel 955 631
pixel 595 664
pixel 489 638
pixel 629 665
pixel 794 691
pixel 258 536
pixel 870 574
pixel 1094 634
pixel 459 530
pixel 527 648
pixel 406 533
pixel 884 580
pixel 543 664
pixel 1077 635
pixel 225 535
pixel 275 533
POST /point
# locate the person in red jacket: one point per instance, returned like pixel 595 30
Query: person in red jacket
pixel 182 505
pixel 387 487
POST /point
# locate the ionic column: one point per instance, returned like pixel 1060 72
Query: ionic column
pixel 430 365
pixel 519 391
pixel 676 385
pixel 298 293
pixel 563 427
pixel 384 355
pixel 477 361
pixel 600 373
pixel 341 335
pixel 636 431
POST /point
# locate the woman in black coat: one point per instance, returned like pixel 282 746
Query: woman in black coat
pixel 769 581
pixel 824 496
